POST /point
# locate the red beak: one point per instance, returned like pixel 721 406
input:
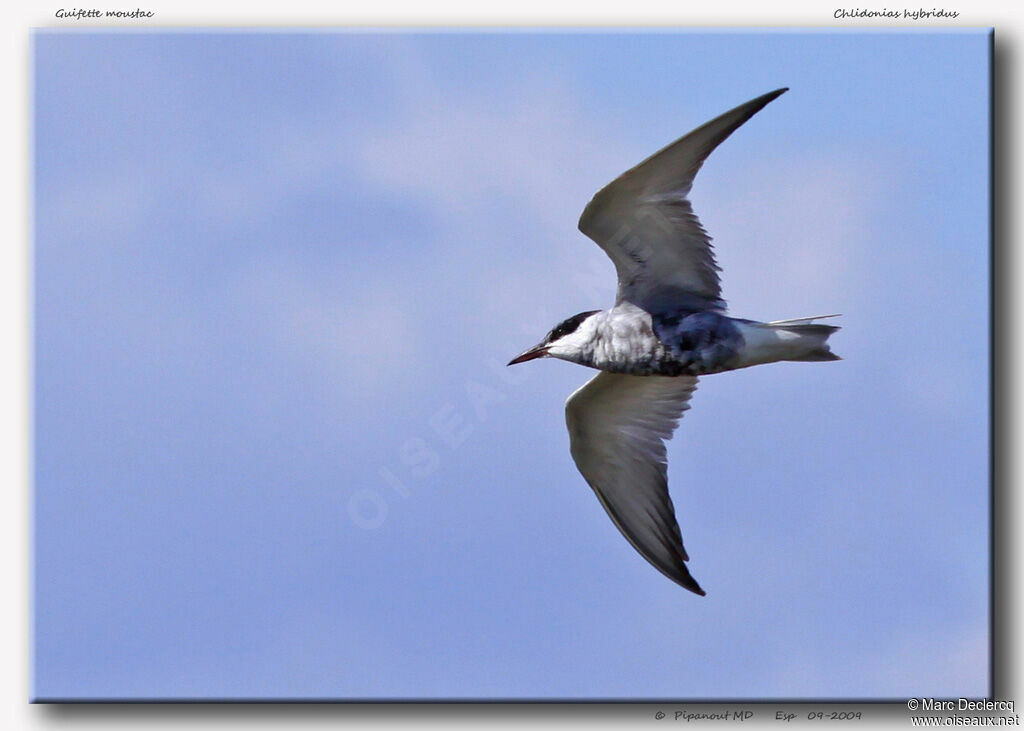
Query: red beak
pixel 537 352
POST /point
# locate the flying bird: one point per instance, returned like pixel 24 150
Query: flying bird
pixel 668 327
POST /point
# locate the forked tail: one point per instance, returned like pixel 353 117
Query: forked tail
pixel 812 337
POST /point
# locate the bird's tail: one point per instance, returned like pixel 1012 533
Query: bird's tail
pixel 811 337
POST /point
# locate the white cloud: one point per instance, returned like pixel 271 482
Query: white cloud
pixel 505 176
pixel 795 235
pixel 357 338
pixel 936 665
pixel 922 664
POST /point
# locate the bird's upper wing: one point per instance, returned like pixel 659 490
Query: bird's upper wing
pixel 618 425
pixel 644 222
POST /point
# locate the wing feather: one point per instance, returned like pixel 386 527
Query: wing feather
pixel 644 222
pixel 618 425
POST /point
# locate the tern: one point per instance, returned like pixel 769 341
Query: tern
pixel 668 326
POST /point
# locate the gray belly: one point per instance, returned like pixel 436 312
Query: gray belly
pixel 696 344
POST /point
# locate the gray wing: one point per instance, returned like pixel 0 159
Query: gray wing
pixel 618 425
pixel 643 221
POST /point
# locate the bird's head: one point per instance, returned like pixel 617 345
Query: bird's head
pixel 567 340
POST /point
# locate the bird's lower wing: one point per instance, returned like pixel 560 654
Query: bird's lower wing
pixel 618 426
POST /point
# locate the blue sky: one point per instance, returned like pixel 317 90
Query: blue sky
pixel 277 453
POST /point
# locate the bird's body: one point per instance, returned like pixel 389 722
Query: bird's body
pixel 629 340
pixel 668 326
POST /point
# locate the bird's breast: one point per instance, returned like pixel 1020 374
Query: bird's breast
pixel 689 344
